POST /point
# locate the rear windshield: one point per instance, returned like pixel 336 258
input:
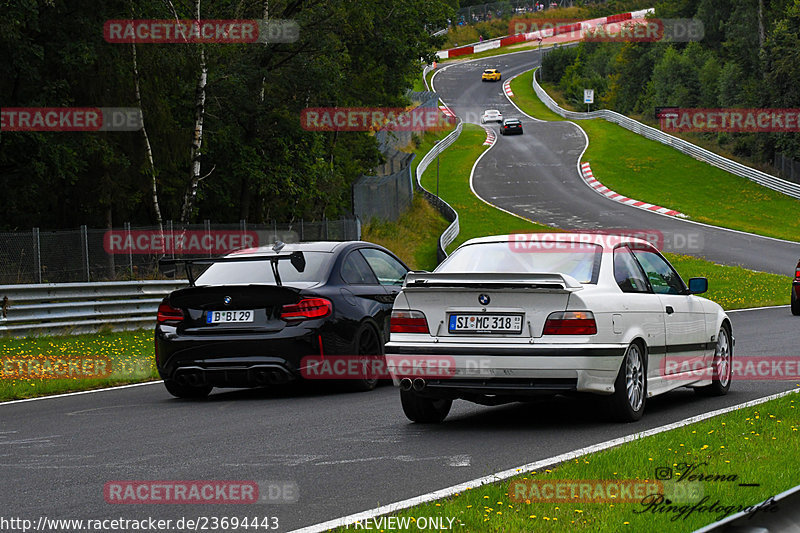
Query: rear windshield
pixel 581 261
pixel 261 271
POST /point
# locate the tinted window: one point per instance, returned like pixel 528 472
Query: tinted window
pixel 627 273
pixel 261 271
pixel 581 261
pixel 661 275
pixel 387 268
pixel 355 270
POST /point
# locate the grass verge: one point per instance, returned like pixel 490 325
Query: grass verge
pixel 655 173
pixel 413 237
pixel 752 445
pixel 24 362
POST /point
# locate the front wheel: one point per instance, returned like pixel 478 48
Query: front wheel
pixel 721 366
pixel 424 410
pixel 630 388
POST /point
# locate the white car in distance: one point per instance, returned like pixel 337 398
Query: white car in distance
pixel 491 115
pixel 512 317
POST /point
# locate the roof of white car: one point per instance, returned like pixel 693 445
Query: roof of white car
pixel 606 240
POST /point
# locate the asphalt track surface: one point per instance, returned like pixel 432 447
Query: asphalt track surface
pixel 535 175
pixel 346 452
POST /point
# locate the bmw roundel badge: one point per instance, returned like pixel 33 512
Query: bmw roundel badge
pixel 484 299
pixel 226 300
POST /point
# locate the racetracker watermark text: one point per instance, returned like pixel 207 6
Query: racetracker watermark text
pixel 755 368
pixel 587 240
pixel 70 119
pixel 374 118
pixel 54 367
pixel 201 31
pixel 647 30
pixel 183 242
pixel 200 492
pixel 675 119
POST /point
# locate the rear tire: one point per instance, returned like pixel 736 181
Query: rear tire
pixel 424 410
pixel 630 388
pixel 369 344
pixel 722 366
pixel 187 391
pixel 795 303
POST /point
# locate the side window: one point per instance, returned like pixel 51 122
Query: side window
pixel 627 272
pixel 663 278
pixel 356 271
pixel 387 268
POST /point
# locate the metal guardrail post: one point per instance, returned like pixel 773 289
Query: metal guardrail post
pixel 127 227
pixel 37 242
pixel 85 246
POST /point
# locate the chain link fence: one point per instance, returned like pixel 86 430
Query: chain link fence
pixel 499 10
pixel 789 168
pixel 390 192
pixel 83 255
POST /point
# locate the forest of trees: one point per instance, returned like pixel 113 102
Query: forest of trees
pixel 749 58
pixel 250 159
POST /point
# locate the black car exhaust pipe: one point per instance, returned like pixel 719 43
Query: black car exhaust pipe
pixel 419 384
pixel 405 384
pixel 193 379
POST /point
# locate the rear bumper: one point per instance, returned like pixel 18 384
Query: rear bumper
pixel 509 369
pixel 250 360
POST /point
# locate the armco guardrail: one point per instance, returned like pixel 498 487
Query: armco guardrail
pixel 81 307
pixel 701 154
pixel 450 234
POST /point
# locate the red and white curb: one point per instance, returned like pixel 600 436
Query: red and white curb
pixel 446 110
pixel 491 136
pixel 507 88
pixel 588 177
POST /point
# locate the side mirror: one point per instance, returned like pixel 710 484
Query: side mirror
pixel 698 285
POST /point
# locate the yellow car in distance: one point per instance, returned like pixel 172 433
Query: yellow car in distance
pixel 491 74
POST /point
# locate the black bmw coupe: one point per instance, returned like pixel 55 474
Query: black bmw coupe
pixel 252 316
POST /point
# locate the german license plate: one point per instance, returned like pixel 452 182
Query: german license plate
pixel 226 317
pixel 485 323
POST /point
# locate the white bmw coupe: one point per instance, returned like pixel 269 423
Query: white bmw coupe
pixel 506 318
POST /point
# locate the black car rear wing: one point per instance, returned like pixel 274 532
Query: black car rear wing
pixel 297 259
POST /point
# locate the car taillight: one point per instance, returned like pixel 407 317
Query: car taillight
pixel 797 273
pixel 168 314
pixel 306 309
pixel 408 322
pixel 570 323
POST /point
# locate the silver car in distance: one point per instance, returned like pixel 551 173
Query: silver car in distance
pixel 507 318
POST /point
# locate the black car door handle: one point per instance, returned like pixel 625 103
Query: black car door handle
pixel 670 310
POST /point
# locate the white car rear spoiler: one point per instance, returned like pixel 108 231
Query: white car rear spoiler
pixel 536 281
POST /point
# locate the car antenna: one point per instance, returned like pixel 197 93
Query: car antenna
pixel 277 247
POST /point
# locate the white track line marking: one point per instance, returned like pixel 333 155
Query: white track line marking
pixel 756 308
pixel 538 465
pixel 79 393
